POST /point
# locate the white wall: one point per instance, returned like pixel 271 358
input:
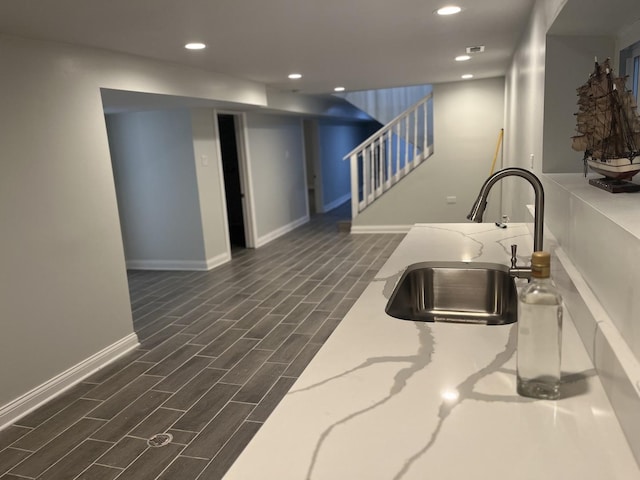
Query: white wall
pixel 156 185
pixel 585 219
pixel 63 291
pixel 566 62
pixel 277 170
pixel 591 226
pixel 468 117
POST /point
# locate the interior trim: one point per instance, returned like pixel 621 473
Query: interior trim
pixel 53 387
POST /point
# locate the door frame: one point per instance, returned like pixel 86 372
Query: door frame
pixel 246 184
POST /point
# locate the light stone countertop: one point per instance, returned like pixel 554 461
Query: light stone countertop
pixel 393 399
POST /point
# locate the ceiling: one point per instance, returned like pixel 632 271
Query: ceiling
pixel 596 17
pixel 358 44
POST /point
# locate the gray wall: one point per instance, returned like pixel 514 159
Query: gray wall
pixel 156 185
pixel 578 225
pixel 208 163
pixel 569 61
pixel 581 218
pixel 277 171
pixel 541 100
pixel 468 117
pixel 64 290
pixel 170 188
pixel 525 91
pixel 64 293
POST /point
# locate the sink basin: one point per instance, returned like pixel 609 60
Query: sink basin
pixel 460 292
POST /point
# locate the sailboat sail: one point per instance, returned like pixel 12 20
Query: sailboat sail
pixel 608 124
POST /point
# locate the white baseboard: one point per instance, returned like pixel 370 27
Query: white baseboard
pixel 281 231
pixel 380 228
pixel 336 203
pixel 53 387
pixel 218 260
pixel 168 265
pixel 198 265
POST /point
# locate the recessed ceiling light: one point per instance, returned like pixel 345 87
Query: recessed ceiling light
pixel 339 89
pixel 195 46
pixel 295 76
pixel 462 58
pixel 467 76
pixel 449 10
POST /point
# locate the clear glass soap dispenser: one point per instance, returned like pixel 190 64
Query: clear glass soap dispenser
pixel 539 333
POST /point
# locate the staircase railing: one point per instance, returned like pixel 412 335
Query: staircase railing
pixel 390 154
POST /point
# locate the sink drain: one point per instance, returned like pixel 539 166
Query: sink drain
pixel 160 440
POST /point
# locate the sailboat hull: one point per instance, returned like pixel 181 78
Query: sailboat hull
pixel 616 168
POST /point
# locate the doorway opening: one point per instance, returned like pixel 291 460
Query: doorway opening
pixel 312 164
pixel 232 174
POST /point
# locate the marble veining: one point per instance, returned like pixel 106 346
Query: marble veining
pixel 389 283
pixel 392 399
pixel 505 241
pixel 465 392
pixel 466 235
pixel 417 362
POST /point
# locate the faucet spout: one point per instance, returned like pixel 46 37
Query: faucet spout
pixel 477 211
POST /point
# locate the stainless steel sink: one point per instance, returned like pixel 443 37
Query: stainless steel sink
pixel 480 293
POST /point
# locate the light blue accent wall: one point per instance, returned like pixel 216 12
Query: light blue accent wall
pixel 387 103
pixel 336 139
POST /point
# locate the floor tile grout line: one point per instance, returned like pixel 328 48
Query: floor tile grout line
pixel 108 466
pixel 59 459
pixel 45 445
pixel 313 253
pixel 200 477
pixel 21 449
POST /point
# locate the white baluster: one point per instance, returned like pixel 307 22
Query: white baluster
pixel 415 139
pixel 378 165
pixel 388 157
pixel 374 165
pixel 355 186
pixel 397 159
pixel 378 169
pixel 425 140
pixel 365 177
pixel 406 144
pixel 374 169
pixel 372 183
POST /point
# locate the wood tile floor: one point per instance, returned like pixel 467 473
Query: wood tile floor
pixel 218 351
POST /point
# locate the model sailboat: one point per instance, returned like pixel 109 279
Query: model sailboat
pixel 609 130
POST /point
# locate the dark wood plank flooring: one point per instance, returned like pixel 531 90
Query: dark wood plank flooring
pixel 218 351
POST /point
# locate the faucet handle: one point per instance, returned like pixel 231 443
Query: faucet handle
pixel 515 270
